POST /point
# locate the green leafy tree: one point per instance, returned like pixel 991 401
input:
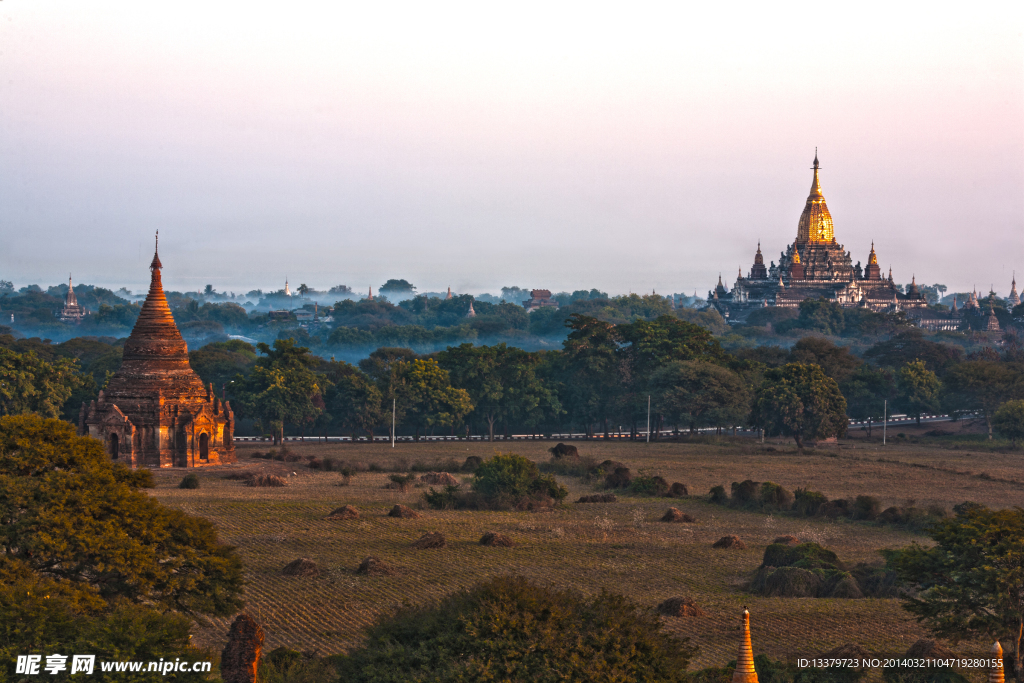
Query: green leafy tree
pixel 910 345
pixel 425 396
pixel 70 514
pixel 220 362
pixel 589 370
pixel 397 287
pixel 501 382
pixel 971 582
pixel 509 629
pixel 835 361
pixel 354 401
pixel 700 394
pixel 1008 421
pixel 800 401
pixel 866 391
pixel 282 388
pixel 822 316
pixel 983 385
pixel 30 384
pixel 917 390
pixel 92 564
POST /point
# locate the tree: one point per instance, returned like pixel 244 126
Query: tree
pixel 354 402
pixel 866 391
pixel 220 362
pixel 835 361
pixel 30 384
pixel 822 316
pixel 509 629
pixel 424 395
pixel 303 289
pixel 70 514
pixel 501 382
pixel 971 582
pixel 1008 421
pixel 397 287
pixel 800 401
pixel 917 390
pixel 91 564
pixel 589 370
pixel 281 388
pixel 910 345
pixel 699 394
pixel 983 385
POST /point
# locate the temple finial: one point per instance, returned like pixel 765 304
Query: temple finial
pixel 815 158
pixel 156 265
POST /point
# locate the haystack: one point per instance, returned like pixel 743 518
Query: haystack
pixel 677 490
pixel 787 540
pixel 431 539
pixel 598 498
pixel 301 567
pixel 619 479
pixel 472 462
pixel 563 450
pixel 497 540
pixel 680 607
pixel 439 479
pixel 372 566
pixel 344 512
pixel 676 515
pixel 733 542
pixel 403 512
pixel 792 582
pixel 266 480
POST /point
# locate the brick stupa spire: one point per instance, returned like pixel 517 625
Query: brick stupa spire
pixel 155 410
pixel 995 674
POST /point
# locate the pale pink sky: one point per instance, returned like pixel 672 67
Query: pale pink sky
pixel 628 147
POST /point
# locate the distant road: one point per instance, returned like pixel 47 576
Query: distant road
pixel 617 436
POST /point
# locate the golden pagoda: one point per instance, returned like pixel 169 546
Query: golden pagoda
pixel 815 223
pixel 744 672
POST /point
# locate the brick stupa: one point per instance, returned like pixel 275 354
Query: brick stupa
pixel 155 411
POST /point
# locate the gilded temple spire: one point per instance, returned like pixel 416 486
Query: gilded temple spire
pixel 815 223
pixel 744 671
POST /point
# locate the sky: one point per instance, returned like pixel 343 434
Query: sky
pixel 632 147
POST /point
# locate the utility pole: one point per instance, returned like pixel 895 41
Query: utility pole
pixel 885 418
pixel 394 403
pixel 648 418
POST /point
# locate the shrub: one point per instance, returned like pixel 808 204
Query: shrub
pixel 598 498
pixel 678 490
pixel 804 555
pixel 507 479
pixel 401 481
pixel 646 485
pixel 807 503
pixel 792 582
pixel 718 495
pixel 866 507
pixel 472 462
pixel 191 481
pixel 744 493
pixel 774 497
pixel 266 480
pixel 448 498
pixel 833 509
pixel 619 479
pixel 535 632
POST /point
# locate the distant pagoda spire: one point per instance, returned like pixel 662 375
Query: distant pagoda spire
pixel 449 293
pixel 287 291
pixel 1014 297
pixel 369 297
pixel 744 671
pixel 471 313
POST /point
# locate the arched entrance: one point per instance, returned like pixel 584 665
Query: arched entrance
pixel 204 446
pixel 114 446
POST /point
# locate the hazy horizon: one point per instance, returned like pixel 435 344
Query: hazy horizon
pixel 534 145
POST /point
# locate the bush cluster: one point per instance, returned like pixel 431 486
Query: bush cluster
pixel 770 497
pixel 809 571
pixel 505 482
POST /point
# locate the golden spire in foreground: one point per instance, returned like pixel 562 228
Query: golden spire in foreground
pixel 745 672
pixel 995 674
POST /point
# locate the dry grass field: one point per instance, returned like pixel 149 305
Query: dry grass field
pixel 620 546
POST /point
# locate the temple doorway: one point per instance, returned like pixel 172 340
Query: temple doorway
pixel 204 446
pixel 114 446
